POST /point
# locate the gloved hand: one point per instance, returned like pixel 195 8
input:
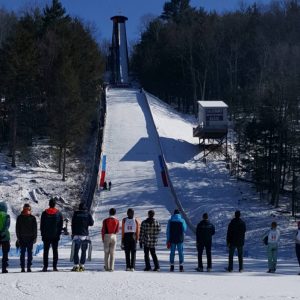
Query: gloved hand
pixel 168 245
pixel 122 245
pixel 141 245
pixel 34 241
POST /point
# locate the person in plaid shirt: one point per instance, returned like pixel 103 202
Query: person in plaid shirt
pixel 150 230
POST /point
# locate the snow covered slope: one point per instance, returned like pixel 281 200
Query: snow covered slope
pixel 132 154
pixel 209 187
pixel 131 147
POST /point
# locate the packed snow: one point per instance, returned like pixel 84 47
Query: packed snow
pixel 132 147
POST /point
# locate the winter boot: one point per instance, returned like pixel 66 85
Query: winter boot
pixel 75 268
pixel 81 268
pixel 199 269
pixel 55 269
pixel 172 268
pixel 23 270
pixel 181 268
pixel 4 271
pixel 29 269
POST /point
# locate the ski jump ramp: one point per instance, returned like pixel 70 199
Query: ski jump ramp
pixel 132 156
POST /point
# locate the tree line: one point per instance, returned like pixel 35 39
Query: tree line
pixel 50 80
pixel 250 58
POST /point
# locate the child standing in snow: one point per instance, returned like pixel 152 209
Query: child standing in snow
pixel 298 244
pixel 272 249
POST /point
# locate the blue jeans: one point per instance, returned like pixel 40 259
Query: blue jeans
pixel 179 247
pixel 298 252
pixel 26 246
pixel 83 244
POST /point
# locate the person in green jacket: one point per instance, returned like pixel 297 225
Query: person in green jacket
pixel 4 235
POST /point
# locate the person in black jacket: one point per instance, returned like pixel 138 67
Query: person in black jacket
pixel 205 231
pixel 51 227
pixel 81 221
pixel 26 231
pixel 235 240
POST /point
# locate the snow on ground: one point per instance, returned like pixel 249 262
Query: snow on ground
pixel 132 149
pixel 35 180
pixel 208 187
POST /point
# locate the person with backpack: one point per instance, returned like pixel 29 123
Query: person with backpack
pixel 4 235
pixel 273 236
pixel 130 236
pixel 110 228
pixel 204 233
pixel 51 227
pixel 150 230
pixel 26 231
pixel 235 240
pixel 175 237
pixel 297 240
pixel 81 221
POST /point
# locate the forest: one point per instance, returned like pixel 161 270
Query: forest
pixel 52 70
pixel 249 58
pixel 50 80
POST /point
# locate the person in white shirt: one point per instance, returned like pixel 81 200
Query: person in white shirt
pixel 272 249
pixel 130 236
pixel 298 244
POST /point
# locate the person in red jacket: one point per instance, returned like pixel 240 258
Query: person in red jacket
pixel 110 228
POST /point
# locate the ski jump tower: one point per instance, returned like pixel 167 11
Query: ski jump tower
pixel 119 52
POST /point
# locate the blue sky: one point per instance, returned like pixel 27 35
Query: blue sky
pixel 100 11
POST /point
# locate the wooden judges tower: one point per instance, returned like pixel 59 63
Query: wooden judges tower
pixel 212 123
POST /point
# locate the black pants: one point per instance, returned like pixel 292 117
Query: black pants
pixel 26 246
pixel 47 244
pixel 240 256
pixel 83 245
pixel 130 250
pixel 200 248
pixel 298 252
pixel 147 258
pixel 5 249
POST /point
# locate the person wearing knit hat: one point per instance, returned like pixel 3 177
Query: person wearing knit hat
pixel 298 244
pixel 26 231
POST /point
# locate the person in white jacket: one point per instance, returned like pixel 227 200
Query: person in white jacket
pixel 272 249
pixel 298 244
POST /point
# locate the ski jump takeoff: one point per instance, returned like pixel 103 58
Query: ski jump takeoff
pixel 146 234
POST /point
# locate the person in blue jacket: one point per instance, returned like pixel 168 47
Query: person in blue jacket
pixel 175 237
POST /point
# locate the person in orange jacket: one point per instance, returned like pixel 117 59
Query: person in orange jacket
pixel 130 236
